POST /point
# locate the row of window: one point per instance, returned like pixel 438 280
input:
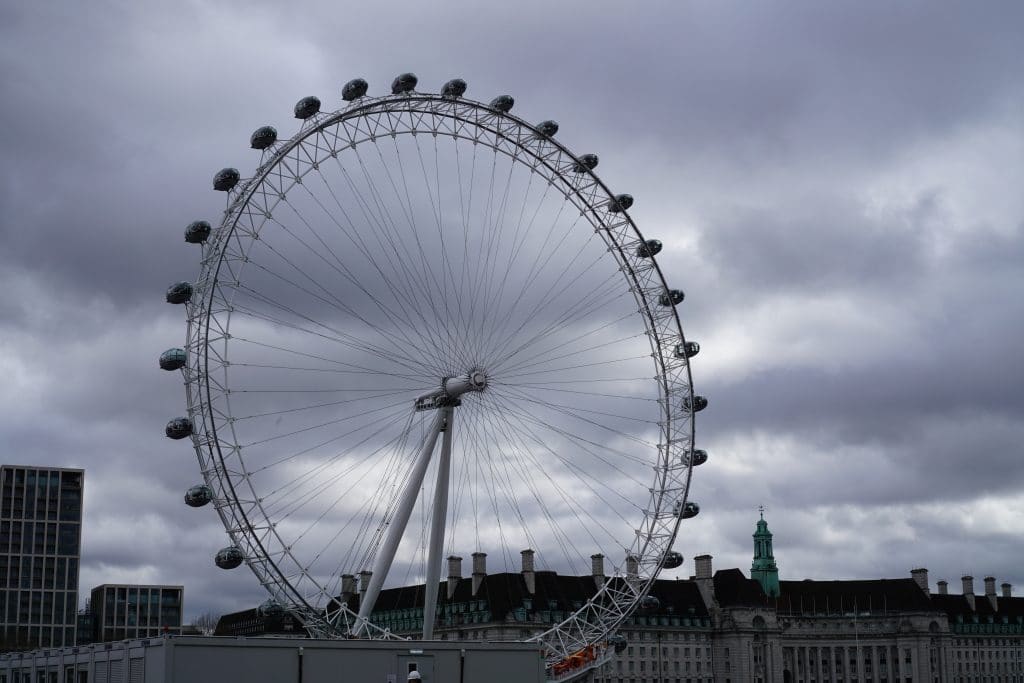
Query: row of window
pixel 41 495
pixel 675 651
pixel 25 637
pixel 672 666
pixel 38 572
pixel 1015 654
pixel 40 538
pixel 38 607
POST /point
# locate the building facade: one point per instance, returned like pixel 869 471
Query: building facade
pixel 127 611
pixel 721 626
pixel 40 540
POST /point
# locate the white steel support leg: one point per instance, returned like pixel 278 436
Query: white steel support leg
pixel 396 528
pixel 437 524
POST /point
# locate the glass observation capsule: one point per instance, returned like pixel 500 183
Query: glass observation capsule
pixel 587 162
pixel 650 604
pixel 403 83
pixel 454 88
pixel 354 89
pixel 263 137
pixel 620 203
pixel 618 643
pixel 197 232
pixel 699 457
pixel 179 293
pixel 649 248
pixel 672 560
pixel 671 297
pixel 689 510
pixel 687 350
pixel 225 179
pixel 547 128
pixel 502 103
pixel 178 428
pixel 173 359
pixel 307 107
pixel 699 403
pixel 229 558
pixel 199 495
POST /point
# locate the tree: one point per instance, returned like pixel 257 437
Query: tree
pixel 206 623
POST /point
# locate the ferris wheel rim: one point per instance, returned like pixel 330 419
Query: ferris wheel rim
pixel 240 199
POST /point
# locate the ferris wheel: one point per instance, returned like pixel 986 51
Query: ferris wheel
pixel 422 327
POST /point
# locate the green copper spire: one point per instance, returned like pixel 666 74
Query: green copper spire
pixel 764 569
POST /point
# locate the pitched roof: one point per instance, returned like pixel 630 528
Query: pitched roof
pixel 503 593
pixel 815 597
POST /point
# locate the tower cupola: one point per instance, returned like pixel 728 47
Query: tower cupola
pixel 764 570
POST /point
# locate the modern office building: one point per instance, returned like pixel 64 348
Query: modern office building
pixel 40 539
pixel 125 611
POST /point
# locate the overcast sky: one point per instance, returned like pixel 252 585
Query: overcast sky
pixel 838 187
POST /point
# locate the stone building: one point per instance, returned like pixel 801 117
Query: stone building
pixel 722 626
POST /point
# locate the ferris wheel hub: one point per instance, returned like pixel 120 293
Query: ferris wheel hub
pixel 451 389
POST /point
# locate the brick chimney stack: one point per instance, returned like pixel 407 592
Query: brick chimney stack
pixel 702 565
pixel 597 569
pixel 920 577
pixel 348 586
pixel 632 567
pixel 990 591
pixel 704 579
pixel 1006 589
pixel 479 570
pixel 968 583
pixel 943 588
pixel 529 577
pixel 454 573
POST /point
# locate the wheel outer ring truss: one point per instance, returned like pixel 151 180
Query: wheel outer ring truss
pixel 284 164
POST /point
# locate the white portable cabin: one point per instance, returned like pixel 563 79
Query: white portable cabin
pixel 197 659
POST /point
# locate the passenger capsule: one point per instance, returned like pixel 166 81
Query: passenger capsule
pixel 687 350
pixel 587 162
pixel 263 137
pixel 502 103
pixel 671 297
pixel 620 203
pixel 307 107
pixel 179 293
pixel 271 609
pixel 229 558
pixel 178 428
pixel 454 88
pixel 225 179
pixel 649 248
pixel 699 403
pixel 650 604
pixel 618 643
pixel 672 560
pixel 548 128
pixel 354 89
pixel 689 510
pixel 699 457
pixel 198 496
pixel 403 83
pixel 173 359
pixel 197 232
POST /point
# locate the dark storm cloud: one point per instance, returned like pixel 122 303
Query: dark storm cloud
pixel 822 177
